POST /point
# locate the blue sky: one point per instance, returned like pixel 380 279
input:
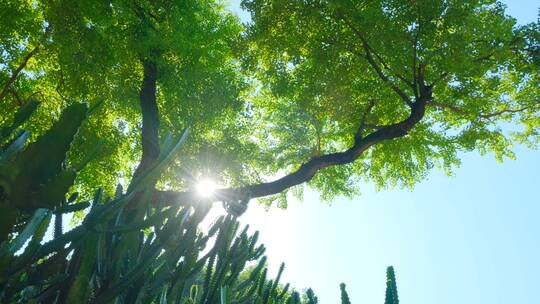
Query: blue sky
pixel 470 238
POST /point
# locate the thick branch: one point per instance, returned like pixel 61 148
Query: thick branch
pixel 16 73
pixel 150 117
pixel 309 169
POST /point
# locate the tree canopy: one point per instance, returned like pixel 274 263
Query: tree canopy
pixel 324 92
pixel 439 78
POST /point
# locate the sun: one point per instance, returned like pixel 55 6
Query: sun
pixel 206 187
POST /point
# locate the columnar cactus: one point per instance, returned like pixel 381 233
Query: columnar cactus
pixel 149 254
pixel 391 296
pixel 344 295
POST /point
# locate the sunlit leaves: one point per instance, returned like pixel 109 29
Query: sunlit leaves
pixel 91 51
pixel 312 57
pixel 295 84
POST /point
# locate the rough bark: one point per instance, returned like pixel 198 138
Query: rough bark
pixel 150 118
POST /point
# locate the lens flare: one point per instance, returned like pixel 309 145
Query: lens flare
pixel 206 187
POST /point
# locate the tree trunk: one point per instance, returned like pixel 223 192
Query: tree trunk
pixel 150 118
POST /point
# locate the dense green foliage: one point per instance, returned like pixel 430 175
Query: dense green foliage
pixel 264 99
pixel 350 67
pixel 92 51
pixel 323 93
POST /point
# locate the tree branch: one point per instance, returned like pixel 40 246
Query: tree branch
pixel 19 101
pixel 489 115
pixel 414 59
pixel 369 56
pixel 363 122
pixel 460 111
pixel 387 67
pixel 16 73
pixel 306 171
pixel 150 117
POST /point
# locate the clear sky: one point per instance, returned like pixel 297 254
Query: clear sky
pixel 471 238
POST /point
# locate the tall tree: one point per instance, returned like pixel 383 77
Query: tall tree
pixel 155 67
pixel 386 90
pixel 319 92
pixel 323 92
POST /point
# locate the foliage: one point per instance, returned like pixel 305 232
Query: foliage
pixel 264 99
pixel 351 67
pixel 36 177
pixel 327 93
pixel 311 298
pixel 93 52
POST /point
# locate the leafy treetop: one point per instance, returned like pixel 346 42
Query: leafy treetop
pixel 352 70
pixel 324 92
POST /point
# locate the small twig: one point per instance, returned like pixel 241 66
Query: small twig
pixel 503 111
pixel 415 54
pixel 373 63
pixel 20 103
pixel 16 73
pixel 363 121
pixel 374 127
pixel 441 78
pixel 460 111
